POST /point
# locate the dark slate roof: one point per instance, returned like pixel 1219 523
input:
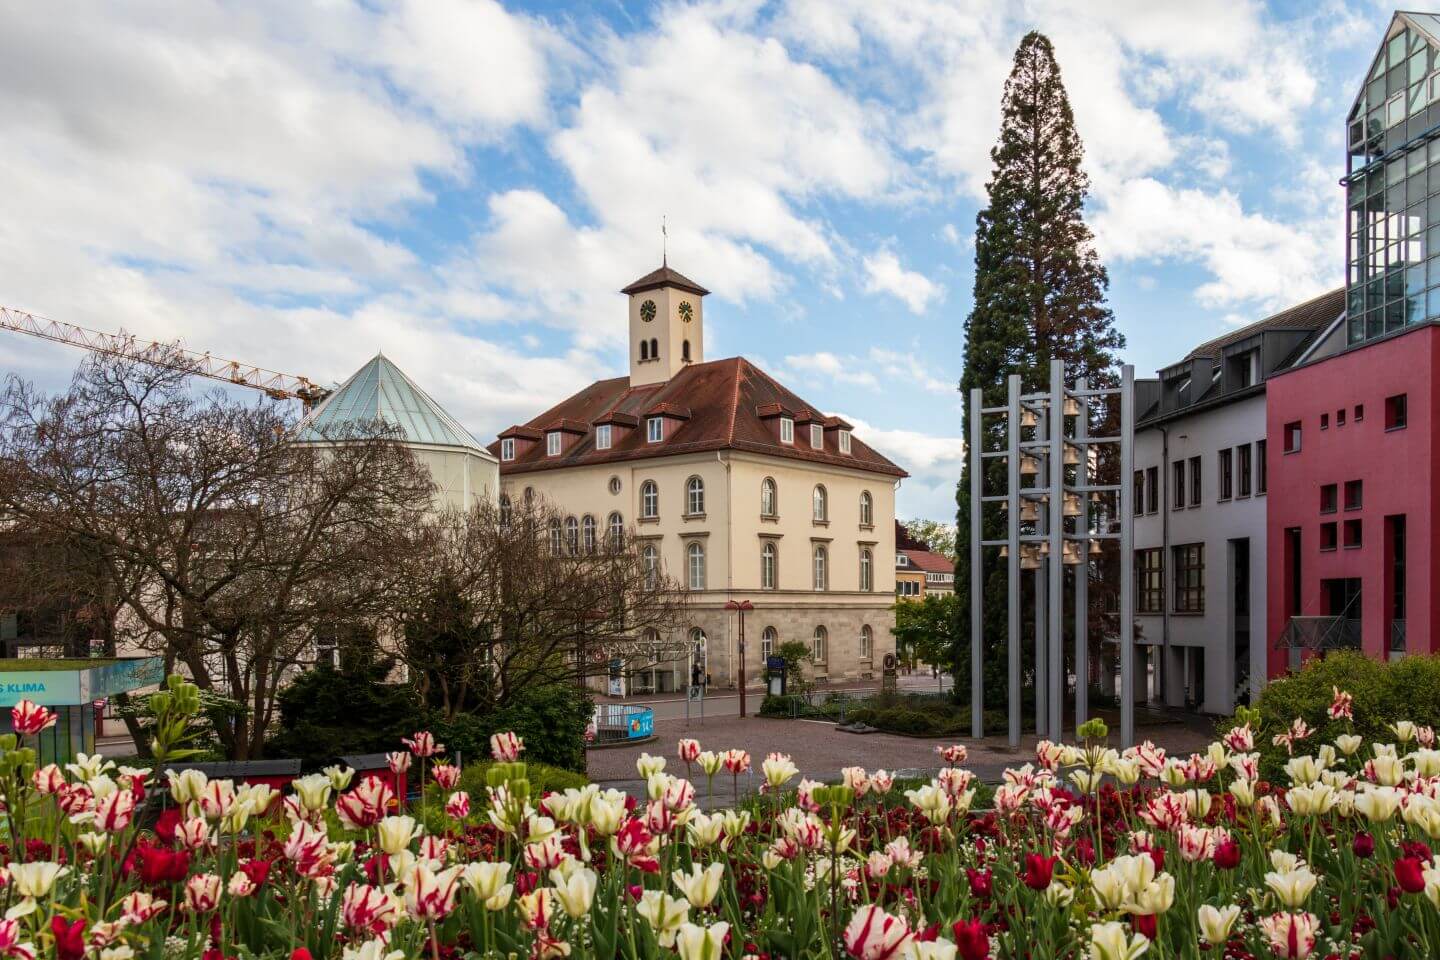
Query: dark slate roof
pixel 665 277
pixel 730 405
pixel 1312 316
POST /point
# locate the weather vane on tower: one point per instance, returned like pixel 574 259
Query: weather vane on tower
pixel 664 243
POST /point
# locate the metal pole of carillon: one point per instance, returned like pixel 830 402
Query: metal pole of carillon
pixel 1042 517
pixel 1082 570
pixel 977 488
pixel 1054 618
pixel 1012 574
pixel 1127 556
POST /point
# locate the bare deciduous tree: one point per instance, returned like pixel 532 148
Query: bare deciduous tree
pixel 508 601
pixel 228 545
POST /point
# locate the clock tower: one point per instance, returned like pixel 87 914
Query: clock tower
pixel 667 325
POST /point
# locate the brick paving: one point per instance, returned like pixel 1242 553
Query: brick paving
pixel 820 750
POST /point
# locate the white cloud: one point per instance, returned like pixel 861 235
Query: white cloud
pixel 884 274
pixel 908 368
pixel 831 367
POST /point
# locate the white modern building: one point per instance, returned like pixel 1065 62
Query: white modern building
pixel 1200 485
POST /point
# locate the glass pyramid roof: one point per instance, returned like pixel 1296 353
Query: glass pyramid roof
pixel 381 391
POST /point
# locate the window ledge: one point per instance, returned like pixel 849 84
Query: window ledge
pixel 769 518
pixel 1353 546
pixel 820 523
pixel 1327 549
pixel 692 516
pixel 647 519
pixel 867 526
pixel 1393 429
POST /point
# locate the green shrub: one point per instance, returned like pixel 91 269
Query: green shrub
pixel 781 705
pixel 1384 692
pixel 551 720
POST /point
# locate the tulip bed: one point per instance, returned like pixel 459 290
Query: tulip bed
pixel 1089 852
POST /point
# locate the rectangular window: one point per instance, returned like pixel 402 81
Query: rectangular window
pixel 602 437
pixel 1329 498
pixel 1149 581
pixel 1352 535
pixel 1178 501
pixel 1152 489
pixel 1340 417
pixel 1264 468
pixel 1324 421
pixel 1190 578
pixel 654 429
pixel 1360 407
pixel 787 430
pixel 1292 437
pixel 844 441
pixel 507 449
pixel 817 436
pixel 552 443
pixel 1139 492
pixel 1329 535
pixel 1246 469
pixel 1227 474
pixel 1396 414
pixel 1354 494
pixel 1194 481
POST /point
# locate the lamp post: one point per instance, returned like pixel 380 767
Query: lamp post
pixel 740 606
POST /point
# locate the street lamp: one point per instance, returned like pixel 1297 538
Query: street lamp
pixel 740 606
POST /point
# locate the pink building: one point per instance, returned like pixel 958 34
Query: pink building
pixel 1352 465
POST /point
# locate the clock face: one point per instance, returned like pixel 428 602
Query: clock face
pixel 647 311
pixel 687 312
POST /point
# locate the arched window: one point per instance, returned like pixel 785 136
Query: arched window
pixel 695 563
pixel 822 558
pixel 867 642
pixel 694 497
pixel 867 570
pixel 768 498
pixel 644 349
pixel 821 503
pixel 572 536
pixel 650 561
pixel 820 646
pixel 557 537
pixel 505 511
pixel 867 509
pixel 769 640
pixel 529 496
pixel 649 500
pixel 685 351
pixel 617 530
pixel 654 349
pixel 587 530
pixel 769 558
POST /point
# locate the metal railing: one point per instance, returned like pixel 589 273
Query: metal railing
pixel 622 721
pixel 1321 633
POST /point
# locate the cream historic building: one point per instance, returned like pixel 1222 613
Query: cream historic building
pixel 731 484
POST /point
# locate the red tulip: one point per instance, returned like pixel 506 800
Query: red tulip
pixel 981 883
pixel 69 938
pixel 300 953
pixel 28 718
pixel 971 940
pixel 1144 924
pixel 256 870
pixel 1038 870
pixel 1227 855
pixel 1410 874
pixel 1363 846
pixel 160 866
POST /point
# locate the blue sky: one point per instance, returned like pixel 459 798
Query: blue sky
pixel 466 184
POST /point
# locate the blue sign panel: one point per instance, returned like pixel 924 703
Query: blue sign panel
pixel 642 724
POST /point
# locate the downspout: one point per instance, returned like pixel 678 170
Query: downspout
pixel 1165 572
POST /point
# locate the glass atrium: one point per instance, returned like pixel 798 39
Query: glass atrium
pixel 1393 185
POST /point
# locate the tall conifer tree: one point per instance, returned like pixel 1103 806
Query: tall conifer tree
pixel 1039 295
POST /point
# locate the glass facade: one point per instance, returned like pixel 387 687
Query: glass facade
pixel 1393 191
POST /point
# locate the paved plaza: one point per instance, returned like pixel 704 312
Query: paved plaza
pixel 820 750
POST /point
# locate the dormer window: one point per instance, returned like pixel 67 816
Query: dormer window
pixel 602 437
pixel 844 441
pixel 552 443
pixel 654 429
pixel 787 430
pixel 507 449
pixel 817 436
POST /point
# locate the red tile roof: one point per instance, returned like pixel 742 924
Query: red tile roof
pixel 728 402
pixel 930 562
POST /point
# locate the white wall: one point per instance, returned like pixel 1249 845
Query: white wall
pixel 1214 523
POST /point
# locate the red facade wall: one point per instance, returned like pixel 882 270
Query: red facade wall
pixel 1398 469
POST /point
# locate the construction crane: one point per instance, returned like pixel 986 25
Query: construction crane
pixel 280 386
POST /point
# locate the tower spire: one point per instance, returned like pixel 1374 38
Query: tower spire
pixel 664 243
